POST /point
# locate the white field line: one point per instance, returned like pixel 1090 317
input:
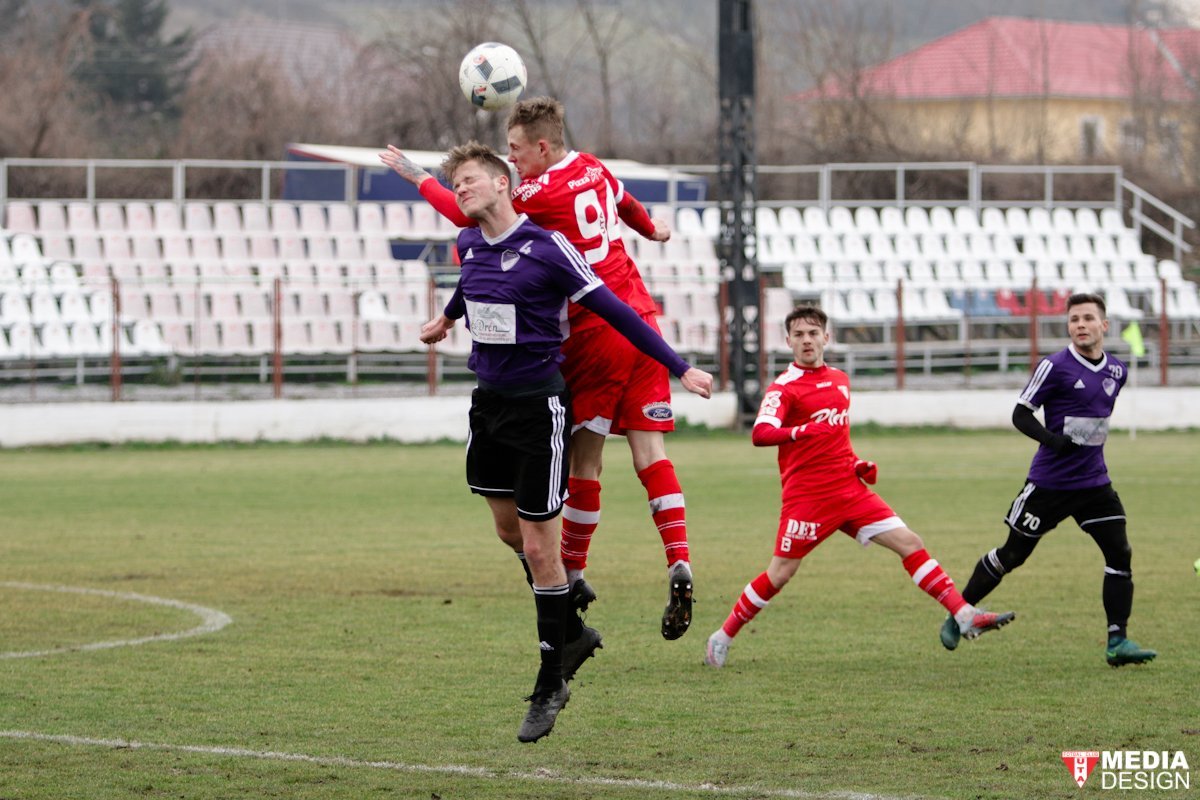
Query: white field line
pixel 211 619
pixel 481 773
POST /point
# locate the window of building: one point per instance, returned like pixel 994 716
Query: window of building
pixel 1133 138
pixel 1090 142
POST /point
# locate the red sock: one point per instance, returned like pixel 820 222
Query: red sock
pixel 666 507
pixel 754 599
pixel 581 515
pixel 933 580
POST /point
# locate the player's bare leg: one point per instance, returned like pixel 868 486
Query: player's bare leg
pixel 657 474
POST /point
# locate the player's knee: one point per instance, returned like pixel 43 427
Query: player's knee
pixel 1012 556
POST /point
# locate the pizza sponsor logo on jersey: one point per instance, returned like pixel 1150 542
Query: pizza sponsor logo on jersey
pixel 659 412
pixel 590 176
pixel 824 384
pixel 831 415
pixel 1130 769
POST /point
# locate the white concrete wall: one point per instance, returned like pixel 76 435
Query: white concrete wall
pixel 429 419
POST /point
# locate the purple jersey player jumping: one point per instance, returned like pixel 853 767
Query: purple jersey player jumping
pixel 513 289
pixel 1077 388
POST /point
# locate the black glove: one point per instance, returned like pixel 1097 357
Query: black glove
pixel 1061 444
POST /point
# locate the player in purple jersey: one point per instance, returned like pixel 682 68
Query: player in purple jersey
pixel 1077 388
pixel 513 289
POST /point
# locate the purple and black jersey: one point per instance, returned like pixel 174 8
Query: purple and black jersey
pixel 1078 397
pixel 514 290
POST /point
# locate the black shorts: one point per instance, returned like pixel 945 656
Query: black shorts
pixel 517 447
pixel 1037 511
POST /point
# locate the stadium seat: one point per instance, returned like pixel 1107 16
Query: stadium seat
pixel 167 216
pixel 145 338
pixel 319 247
pixel 1034 246
pixel 55 247
pixel 19 217
pixel 227 218
pixel 841 220
pixel 51 216
pixel 1011 302
pixel 340 218
pixel 34 276
pixel 1021 272
pixel 916 220
pixel 73 307
pixel 946 273
pixel 1169 271
pixel 920 273
pixel 109 216
pixel 711 217
pixel 1105 247
pixel 937 306
pixel 21 341
pixel 1047 274
pixel 100 304
pixel 859 307
pixel 957 247
pixel 791 221
pixel 1063 219
pixel 870 274
pixel 54 341
pixel 971 273
pixel 255 218
pixel 992 220
pixel 932 245
pixel 1057 249
pixel 1004 246
pixel 284 218
pixel 980 245
pixel 197 217
pixel 880 245
pixel 1118 305
pixel 329 273
pixel 765 221
pixel 1039 221
pixel 13 308
pixel 854 246
pixel 24 250
pixel 966 220
pixel 1080 246
pixel 378 335
pixel 370 218
pixel 1086 221
pixel 306 302
pixel 866 220
pixel 941 220
pixel 1112 221
pixel 1073 276
pixel 1097 274
pixel 138 217
pixel 312 219
pixel 996 275
pixel 1121 273
pixel 906 247
pixel 845 274
pixel 821 274
pixel 340 302
pixel 81 217
pixel 1017 221
pixel 891 220
pixel 829 247
pixel 816 221
pixel 85 340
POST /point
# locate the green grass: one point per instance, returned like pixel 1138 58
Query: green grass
pixel 376 618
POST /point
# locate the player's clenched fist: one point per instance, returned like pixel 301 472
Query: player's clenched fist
pixel 867 471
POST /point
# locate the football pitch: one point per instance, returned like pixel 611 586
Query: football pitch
pixel 338 621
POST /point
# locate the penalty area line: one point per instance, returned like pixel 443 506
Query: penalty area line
pixel 480 773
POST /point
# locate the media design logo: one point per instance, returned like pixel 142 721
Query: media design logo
pixel 1130 769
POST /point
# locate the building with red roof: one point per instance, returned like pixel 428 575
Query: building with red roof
pixel 1039 90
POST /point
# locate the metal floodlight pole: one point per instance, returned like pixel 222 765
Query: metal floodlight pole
pixel 737 188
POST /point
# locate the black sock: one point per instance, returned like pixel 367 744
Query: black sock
pixel 525 566
pixel 1118 603
pixel 981 584
pixel 553 609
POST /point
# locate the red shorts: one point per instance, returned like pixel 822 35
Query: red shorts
pixel 857 511
pixel 614 386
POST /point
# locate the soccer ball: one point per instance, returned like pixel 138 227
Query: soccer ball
pixel 492 76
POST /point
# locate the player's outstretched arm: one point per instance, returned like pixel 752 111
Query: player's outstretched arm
pixel 438 196
pixel 404 166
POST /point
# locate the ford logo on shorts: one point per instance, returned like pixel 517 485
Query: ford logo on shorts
pixel 659 412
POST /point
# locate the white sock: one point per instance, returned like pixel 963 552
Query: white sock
pixel 965 616
pixel 722 637
pixel 574 575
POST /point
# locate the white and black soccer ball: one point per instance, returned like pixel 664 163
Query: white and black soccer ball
pixel 492 76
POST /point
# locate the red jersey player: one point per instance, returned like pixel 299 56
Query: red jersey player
pixel 615 389
pixel 806 413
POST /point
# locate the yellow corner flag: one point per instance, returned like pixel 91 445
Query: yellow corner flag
pixel 1133 337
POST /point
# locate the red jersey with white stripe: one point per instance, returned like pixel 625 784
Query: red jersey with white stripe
pixel 578 197
pixel 819 459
